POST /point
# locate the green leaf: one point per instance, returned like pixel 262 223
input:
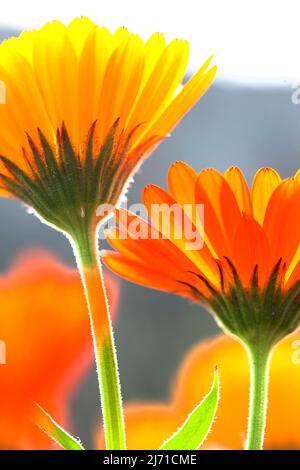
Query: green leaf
pixel 47 424
pixel 197 425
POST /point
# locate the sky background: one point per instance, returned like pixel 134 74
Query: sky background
pixel 250 38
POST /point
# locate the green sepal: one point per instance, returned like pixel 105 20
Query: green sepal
pixel 65 186
pixel 255 313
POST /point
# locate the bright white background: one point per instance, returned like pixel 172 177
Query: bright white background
pixel 256 38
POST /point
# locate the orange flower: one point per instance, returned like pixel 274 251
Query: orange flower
pixel 241 260
pixel 83 106
pixel 148 425
pixel 250 253
pixel 48 346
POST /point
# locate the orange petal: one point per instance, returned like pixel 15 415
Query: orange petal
pixel 264 184
pixel 281 221
pixel 170 220
pixel 139 274
pixel 150 260
pixel 251 249
pixel 237 182
pixel 294 276
pixel 221 211
pixel 181 184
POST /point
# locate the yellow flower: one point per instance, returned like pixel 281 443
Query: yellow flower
pixel 83 107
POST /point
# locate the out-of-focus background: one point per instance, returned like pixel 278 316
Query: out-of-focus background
pixel 247 118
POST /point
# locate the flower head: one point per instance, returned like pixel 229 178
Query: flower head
pixel 48 348
pixel 246 270
pixel 83 107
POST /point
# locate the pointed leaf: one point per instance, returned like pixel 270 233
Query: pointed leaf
pixel 197 425
pixel 47 424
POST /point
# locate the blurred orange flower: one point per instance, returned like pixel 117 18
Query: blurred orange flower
pixel 46 333
pixel 148 425
pixel 229 429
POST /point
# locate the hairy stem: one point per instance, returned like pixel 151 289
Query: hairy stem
pixel 86 250
pixel 259 360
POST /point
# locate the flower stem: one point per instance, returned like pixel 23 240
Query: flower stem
pixel 259 360
pixel 86 250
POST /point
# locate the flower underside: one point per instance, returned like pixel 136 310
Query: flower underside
pixel 64 188
pixel 255 313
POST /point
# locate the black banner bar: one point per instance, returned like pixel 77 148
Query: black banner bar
pixel 149 459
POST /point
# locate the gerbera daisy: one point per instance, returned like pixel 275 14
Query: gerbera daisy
pixel 246 270
pixel 83 108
